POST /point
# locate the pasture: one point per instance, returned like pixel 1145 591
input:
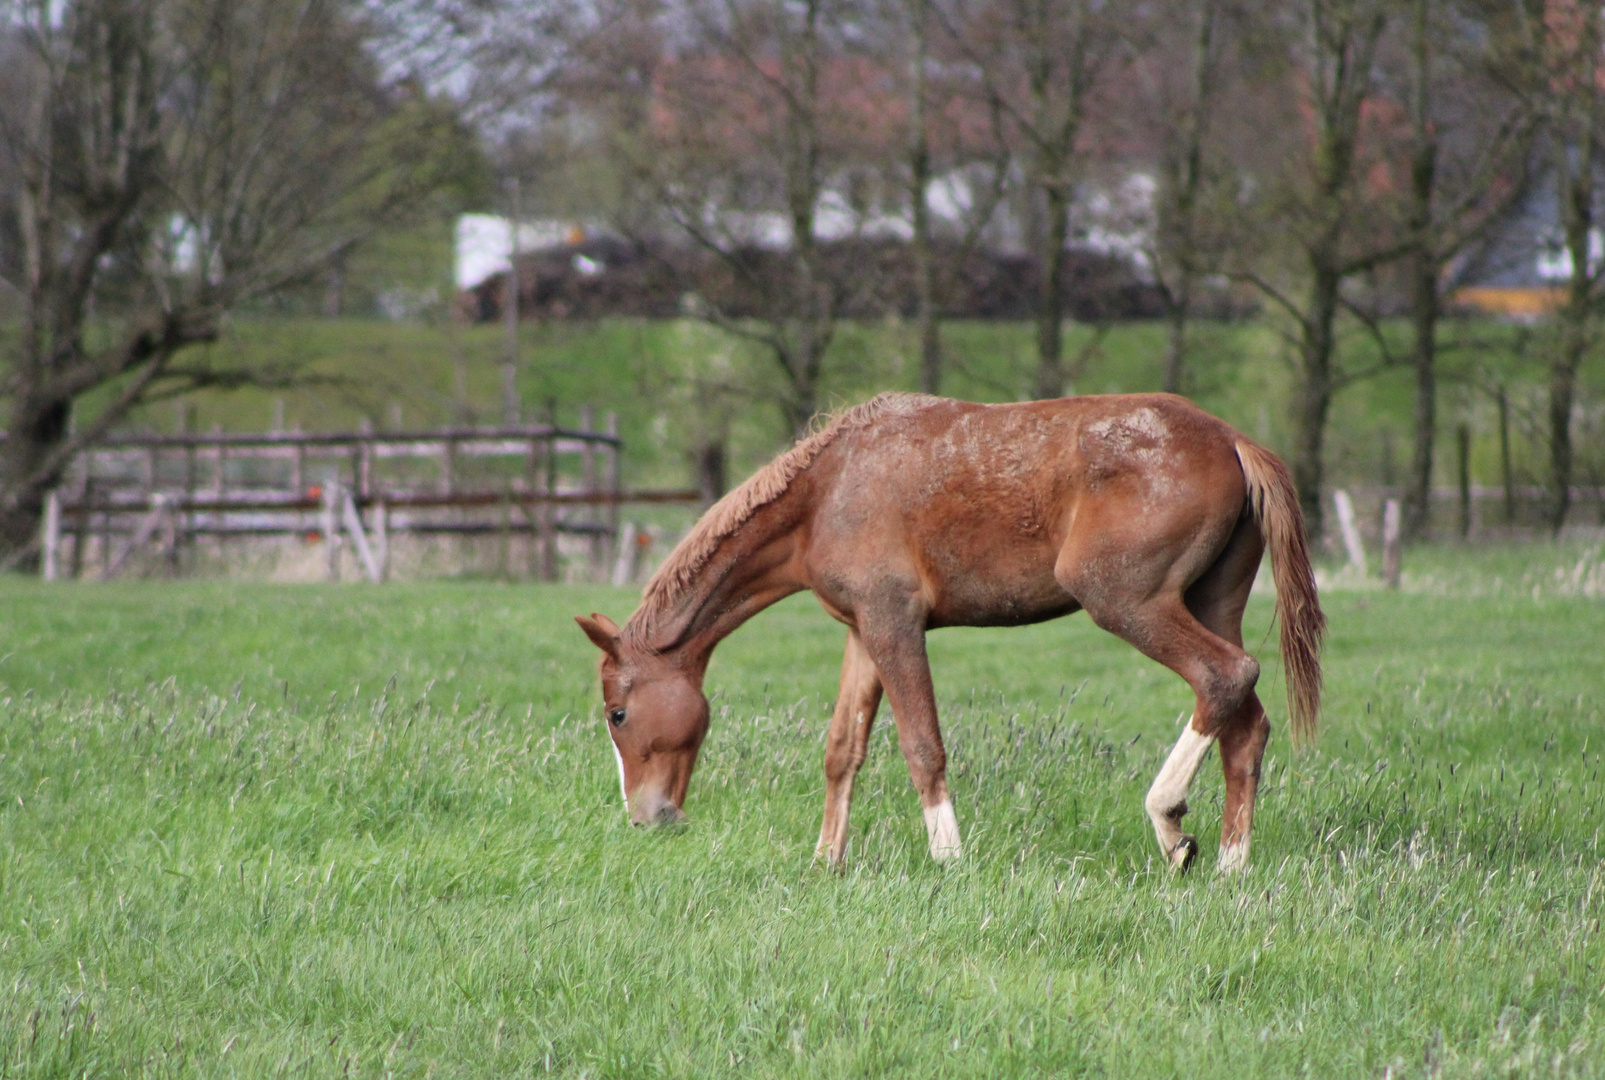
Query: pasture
pixel 252 830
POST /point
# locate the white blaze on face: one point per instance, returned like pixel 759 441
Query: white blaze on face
pixel 618 757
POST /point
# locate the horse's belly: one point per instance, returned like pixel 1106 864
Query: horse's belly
pixel 1006 588
pixel 1004 611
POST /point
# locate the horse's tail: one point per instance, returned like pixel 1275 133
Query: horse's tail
pixel 1273 501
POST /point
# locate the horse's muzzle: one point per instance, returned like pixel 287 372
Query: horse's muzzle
pixel 654 811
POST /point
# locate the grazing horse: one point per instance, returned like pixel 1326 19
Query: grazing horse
pixel 910 512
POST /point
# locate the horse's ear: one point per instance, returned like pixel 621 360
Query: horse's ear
pixel 603 632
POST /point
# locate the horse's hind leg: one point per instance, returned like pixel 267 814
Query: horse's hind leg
pixel 1167 797
pixel 1148 610
pixel 846 744
pixel 1222 676
pixel 1242 741
pixel 1218 600
pixel 1242 747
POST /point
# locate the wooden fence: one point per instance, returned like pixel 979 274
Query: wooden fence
pixel 140 494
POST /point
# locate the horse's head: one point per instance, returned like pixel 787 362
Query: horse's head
pixel 656 715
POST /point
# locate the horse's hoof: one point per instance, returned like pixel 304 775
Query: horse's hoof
pixel 1183 853
pixel 1234 858
pixel 834 861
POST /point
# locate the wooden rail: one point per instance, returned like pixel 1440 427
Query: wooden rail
pixel 536 480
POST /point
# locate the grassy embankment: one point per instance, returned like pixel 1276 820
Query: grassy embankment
pixel 657 377
pixel 251 831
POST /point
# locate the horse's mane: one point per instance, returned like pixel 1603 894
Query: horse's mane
pixel 680 569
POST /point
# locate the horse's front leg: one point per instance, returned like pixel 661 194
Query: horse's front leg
pixel 846 744
pixel 899 654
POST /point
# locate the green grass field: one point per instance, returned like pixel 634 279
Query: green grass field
pixel 317 831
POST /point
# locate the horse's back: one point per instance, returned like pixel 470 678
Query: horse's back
pixel 1018 461
pixel 978 503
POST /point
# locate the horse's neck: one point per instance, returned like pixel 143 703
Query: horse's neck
pixel 750 569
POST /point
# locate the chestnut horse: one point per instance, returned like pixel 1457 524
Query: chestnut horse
pixel 910 512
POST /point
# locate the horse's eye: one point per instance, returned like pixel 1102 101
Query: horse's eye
pixel 615 717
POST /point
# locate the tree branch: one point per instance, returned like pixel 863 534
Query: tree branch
pixel 1283 301
pixel 1373 328
pixel 63 453
pixel 160 338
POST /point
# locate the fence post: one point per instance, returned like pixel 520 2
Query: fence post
pixel 364 462
pixel 381 537
pixel 448 466
pixel 50 539
pixel 1504 456
pixel 220 463
pixel 298 466
pixel 532 506
pixel 81 527
pixel 624 559
pixel 548 518
pixel 1351 531
pixel 185 422
pixel 170 538
pixel 504 535
pixel 610 425
pixel 1463 454
pixel 1390 543
pixel 143 531
pixel 105 539
pixel 331 534
pixel 353 523
pixel 593 515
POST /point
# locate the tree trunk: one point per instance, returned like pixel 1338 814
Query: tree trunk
pixel 919 179
pixel 1463 475
pixel 1576 317
pixel 803 357
pixel 1176 337
pixel 1424 265
pixel 1505 479
pixel 802 364
pixel 1050 381
pixel 711 473
pixel 930 331
pixel 1187 178
pixel 814 323
pixel 1313 396
pixel 1424 324
pixel 1562 392
pixel 36 430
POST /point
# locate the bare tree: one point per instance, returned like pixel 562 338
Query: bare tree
pixel 1180 255
pixel 954 138
pixel 1572 42
pixel 1467 148
pixel 766 59
pixel 920 19
pixel 1550 53
pixel 163 161
pixel 733 137
pixel 1318 220
pixel 1043 60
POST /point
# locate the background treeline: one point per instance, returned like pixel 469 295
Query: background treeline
pixel 785 173
pixel 605 277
